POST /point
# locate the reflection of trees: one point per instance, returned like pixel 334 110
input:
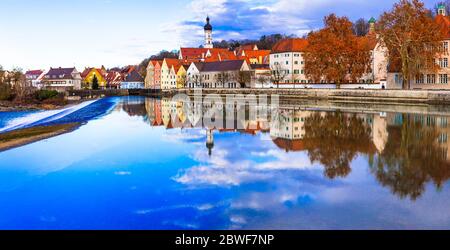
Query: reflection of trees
pixel 334 139
pixel 412 158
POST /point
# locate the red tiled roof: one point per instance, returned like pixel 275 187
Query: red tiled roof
pixel 289 145
pixel 34 72
pixel 444 23
pixel 290 45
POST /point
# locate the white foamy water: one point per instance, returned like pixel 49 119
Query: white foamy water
pixel 48 116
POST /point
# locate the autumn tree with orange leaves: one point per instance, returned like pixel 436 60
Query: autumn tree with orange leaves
pixel 334 54
pixel 412 39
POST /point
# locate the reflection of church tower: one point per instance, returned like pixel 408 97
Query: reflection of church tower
pixel 209 141
pixel 208 35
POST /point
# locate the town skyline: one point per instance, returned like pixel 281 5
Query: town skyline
pixel 174 27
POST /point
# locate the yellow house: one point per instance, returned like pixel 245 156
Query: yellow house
pixel 88 77
pixel 181 76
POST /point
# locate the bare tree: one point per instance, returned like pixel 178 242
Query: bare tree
pixel 197 80
pixel 222 78
pixel 244 78
pixel 361 27
pixel 21 87
pixel 262 79
pixel 278 74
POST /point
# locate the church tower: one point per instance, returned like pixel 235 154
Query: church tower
pixel 209 141
pixel 208 35
pixel 441 10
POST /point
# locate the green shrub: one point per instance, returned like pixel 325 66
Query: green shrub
pixel 44 94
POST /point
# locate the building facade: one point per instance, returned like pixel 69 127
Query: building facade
pixel 62 79
pixel 224 74
pixel 429 80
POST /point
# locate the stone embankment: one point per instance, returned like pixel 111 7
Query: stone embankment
pixel 341 95
pixel 337 95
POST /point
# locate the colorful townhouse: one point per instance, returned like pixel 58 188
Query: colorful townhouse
pixel 182 75
pixel 169 74
pixel 89 74
pixel 153 77
pixel 429 80
pixel 62 79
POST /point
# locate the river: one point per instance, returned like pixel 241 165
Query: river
pixel 146 163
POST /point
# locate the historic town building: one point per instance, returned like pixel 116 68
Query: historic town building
pixel 208 34
pixel 429 80
pixel 224 74
pixel 62 79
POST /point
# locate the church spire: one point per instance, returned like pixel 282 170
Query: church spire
pixel 208 34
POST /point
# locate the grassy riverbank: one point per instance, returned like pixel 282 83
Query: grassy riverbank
pixel 25 136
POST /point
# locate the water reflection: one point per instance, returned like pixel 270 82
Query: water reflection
pixel 416 153
pixel 155 164
pixel 404 151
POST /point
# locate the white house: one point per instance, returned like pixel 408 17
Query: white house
pixel 223 74
pixel 62 79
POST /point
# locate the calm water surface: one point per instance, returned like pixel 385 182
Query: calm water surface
pixel 137 163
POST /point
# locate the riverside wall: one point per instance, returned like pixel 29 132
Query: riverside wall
pixel 342 95
pixel 337 95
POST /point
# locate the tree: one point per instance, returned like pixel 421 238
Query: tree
pixel 223 78
pixel 22 89
pixel 197 80
pixel 335 54
pixel 412 158
pixel 335 139
pixel 244 78
pixel 262 79
pixel 95 83
pixel 277 74
pixel 182 80
pixel 361 27
pixel 411 37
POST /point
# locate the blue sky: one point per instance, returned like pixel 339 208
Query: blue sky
pixel 44 33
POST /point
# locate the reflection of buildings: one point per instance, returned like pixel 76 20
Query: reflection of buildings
pixel 287 127
pixel 134 106
pixel 428 123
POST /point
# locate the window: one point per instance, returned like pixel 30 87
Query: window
pixel 398 79
pixel 445 45
pixel 287 62
pixel 420 79
pixel 296 62
pixel 443 62
pixel 303 71
pixel 443 138
pixel 431 79
pixel 443 78
pixel 296 71
pixel 444 122
pixel 296 55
